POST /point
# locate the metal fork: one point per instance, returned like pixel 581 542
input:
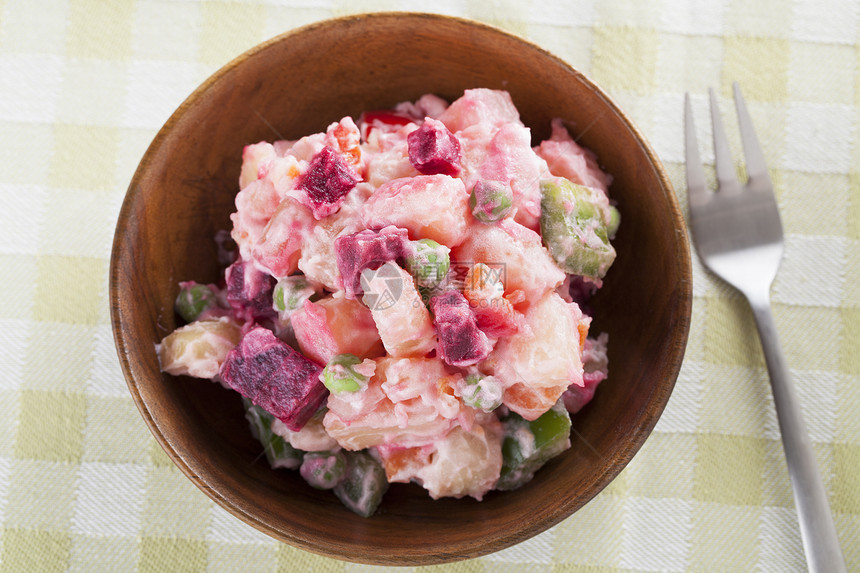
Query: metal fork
pixel 738 235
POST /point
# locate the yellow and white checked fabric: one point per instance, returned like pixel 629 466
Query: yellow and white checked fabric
pixel 85 84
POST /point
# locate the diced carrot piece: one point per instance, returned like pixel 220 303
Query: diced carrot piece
pixel 582 327
pixel 402 463
pixel 530 402
pixel 345 138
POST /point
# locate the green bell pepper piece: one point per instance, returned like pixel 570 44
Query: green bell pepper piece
pixel 363 485
pixel 576 228
pixel 527 446
pixel 278 451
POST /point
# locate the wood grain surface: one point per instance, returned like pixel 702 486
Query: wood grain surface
pixel 296 84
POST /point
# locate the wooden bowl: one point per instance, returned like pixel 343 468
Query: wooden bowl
pixel 296 84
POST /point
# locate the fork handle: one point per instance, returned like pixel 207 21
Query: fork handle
pixel 820 542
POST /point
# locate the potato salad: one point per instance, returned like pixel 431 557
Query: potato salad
pixel 405 298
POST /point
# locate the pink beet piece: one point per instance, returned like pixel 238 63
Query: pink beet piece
pixel 275 377
pixel 368 250
pixel 461 342
pixel 576 397
pixel 249 291
pixel 595 370
pixel 433 149
pixel 327 181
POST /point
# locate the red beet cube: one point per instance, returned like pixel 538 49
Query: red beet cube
pixel 433 149
pixel 461 342
pixel 385 118
pixel 275 377
pixel 327 181
pixel 368 250
pixel 249 291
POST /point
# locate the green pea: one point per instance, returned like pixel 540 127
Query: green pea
pixel 340 376
pixel 490 201
pixel 323 470
pixel 429 262
pixel 193 299
pixel 290 294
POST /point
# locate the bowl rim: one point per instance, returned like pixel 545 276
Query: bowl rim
pixel 625 453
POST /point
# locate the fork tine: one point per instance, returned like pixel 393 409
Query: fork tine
pixel 756 166
pixel 727 179
pixel 697 192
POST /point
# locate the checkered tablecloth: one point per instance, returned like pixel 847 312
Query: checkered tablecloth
pixel 84 85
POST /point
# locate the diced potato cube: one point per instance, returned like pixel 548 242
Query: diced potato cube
pixel 278 247
pixel 566 158
pixel 258 201
pixel 198 349
pixel 333 326
pixel 509 158
pixel 464 462
pixel 538 364
pixel 408 401
pixel 254 156
pixel 403 322
pixel 428 206
pixel 318 260
pixel 516 252
pixel 478 106
pixel 311 438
